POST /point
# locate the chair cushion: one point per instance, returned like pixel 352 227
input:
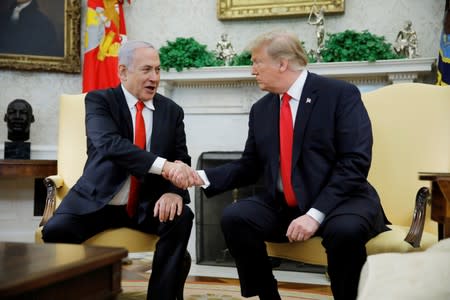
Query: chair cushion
pixel 133 240
pixel 312 251
pixel 393 241
pixel 419 275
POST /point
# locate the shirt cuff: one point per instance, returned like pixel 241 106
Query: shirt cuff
pixel 205 179
pixel 316 215
pixel 157 166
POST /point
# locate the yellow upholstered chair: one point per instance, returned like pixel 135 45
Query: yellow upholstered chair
pixel 411 132
pixel 71 159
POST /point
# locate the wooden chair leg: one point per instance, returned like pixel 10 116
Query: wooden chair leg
pixel 414 235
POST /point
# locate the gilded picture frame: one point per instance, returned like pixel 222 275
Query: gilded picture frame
pixel 66 23
pixel 247 9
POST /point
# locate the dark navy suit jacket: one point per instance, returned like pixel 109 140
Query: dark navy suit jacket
pixel 33 34
pixel 112 156
pixel 331 153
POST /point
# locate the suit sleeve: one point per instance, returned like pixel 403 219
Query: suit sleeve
pixel 105 132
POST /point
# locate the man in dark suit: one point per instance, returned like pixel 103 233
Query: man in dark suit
pixel 25 29
pixel 315 185
pixel 100 198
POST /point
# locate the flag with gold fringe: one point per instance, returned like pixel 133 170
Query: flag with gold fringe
pixel 443 68
pixel 105 32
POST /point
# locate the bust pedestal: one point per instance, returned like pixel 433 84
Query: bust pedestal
pixel 17 150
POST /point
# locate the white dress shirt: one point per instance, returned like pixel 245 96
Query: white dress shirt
pixel 15 16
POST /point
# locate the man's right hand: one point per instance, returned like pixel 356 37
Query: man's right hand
pixel 181 175
pixel 178 173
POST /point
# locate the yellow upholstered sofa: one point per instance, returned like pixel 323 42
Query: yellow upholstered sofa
pixel 71 159
pixel 411 129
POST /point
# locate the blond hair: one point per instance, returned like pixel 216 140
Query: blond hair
pixel 281 44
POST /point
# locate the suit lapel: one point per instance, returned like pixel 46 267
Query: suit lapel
pixel 307 101
pixel 157 126
pixel 274 118
pixel 124 112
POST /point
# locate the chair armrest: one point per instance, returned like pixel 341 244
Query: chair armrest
pixel 52 183
pixel 414 235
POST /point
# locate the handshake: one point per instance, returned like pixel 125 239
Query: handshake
pixel 181 175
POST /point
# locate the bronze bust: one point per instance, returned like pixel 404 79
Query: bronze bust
pixel 19 116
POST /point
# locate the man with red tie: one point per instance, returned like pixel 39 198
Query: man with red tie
pixel 134 135
pixel 310 138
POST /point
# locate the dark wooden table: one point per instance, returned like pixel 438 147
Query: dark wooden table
pixel 440 201
pixel 59 271
pixel 37 168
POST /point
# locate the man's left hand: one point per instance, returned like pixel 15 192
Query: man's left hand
pixel 302 228
pixel 167 206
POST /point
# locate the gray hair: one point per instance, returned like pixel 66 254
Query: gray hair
pixel 282 44
pixel 127 50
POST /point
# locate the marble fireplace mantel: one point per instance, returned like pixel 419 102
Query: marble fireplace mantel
pixel 234 89
pixel 385 71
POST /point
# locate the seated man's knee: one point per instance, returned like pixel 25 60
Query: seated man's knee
pixel 187 215
pixel 56 231
pixel 344 234
pixel 231 219
pixel 51 233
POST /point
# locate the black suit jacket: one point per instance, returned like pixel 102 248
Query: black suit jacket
pixel 331 152
pixel 33 34
pixel 112 156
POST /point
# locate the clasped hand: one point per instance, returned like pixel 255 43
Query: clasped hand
pixel 181 175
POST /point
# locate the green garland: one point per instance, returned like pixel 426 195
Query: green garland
pixel 356 46
pixel 185 53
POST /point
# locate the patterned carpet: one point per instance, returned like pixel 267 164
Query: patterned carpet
pixel 136 290
pixel 136 274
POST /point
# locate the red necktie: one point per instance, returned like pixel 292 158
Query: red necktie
pixel 140 141
pixel 286 142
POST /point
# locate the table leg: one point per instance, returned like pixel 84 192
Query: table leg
pixel 440 207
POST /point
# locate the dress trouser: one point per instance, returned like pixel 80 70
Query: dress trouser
pixel 166 278
pixel 247 223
